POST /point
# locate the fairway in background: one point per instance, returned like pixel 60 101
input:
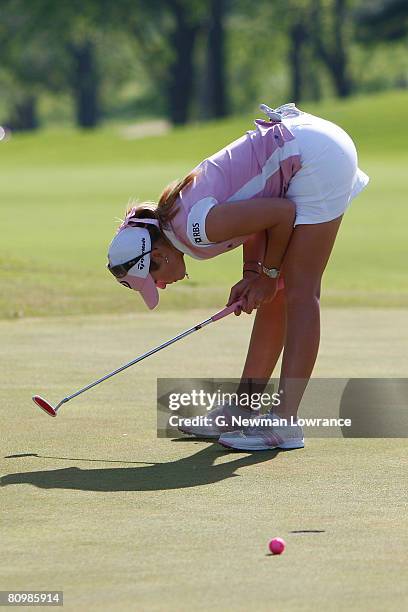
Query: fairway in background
pixel 62 192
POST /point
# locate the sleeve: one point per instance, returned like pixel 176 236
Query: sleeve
pixel 196 221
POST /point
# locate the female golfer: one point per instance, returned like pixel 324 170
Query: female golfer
pixel 280 191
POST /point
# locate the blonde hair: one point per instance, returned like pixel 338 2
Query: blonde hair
pixel 166 208
pixel 163 211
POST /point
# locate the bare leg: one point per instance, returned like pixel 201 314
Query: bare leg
pixel 292 318
pixel 306 258
pixel 266 344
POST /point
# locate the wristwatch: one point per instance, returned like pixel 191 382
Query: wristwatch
pixel 271 272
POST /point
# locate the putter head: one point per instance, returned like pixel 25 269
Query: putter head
pixel 44 405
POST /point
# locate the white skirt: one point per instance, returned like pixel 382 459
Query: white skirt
pixel 329 178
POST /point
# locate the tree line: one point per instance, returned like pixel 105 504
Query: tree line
pixel 183 51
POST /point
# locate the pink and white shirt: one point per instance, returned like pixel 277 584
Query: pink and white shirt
pixel 259 164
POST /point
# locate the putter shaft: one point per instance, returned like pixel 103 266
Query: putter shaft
pixel 134 361
pixel 45 405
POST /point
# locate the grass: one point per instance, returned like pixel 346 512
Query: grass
pixel 95 505
pixel 61 190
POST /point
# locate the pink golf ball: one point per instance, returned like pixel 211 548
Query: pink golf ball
pixel 277 546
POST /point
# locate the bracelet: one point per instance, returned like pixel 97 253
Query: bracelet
pixel 254 271
pixel 250 263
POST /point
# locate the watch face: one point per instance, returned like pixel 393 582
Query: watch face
pixel 271 272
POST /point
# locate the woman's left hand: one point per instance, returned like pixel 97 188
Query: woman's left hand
pixel 261 290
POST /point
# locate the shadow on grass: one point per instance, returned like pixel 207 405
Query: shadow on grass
pixel 193 471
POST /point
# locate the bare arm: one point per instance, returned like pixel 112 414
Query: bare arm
pixel 253 253
pixel 275 215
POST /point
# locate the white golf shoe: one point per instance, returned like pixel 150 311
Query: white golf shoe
pixel 219 420
pixel 265 436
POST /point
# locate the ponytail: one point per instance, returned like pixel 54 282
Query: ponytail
pixel 166 208
pixel 163 212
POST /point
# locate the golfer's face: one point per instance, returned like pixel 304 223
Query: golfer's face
pixel 171 268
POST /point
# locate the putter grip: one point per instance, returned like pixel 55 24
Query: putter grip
pixel 225 311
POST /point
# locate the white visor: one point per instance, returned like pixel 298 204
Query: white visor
pixel 129 243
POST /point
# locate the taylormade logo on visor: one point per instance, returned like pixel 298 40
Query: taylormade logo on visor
pixel 140 263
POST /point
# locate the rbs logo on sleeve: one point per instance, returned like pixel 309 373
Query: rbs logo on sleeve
pixel 196 233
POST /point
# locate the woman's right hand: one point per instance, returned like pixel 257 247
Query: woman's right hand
pixel 239 290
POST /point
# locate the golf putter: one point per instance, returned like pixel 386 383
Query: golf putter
pixel 51 411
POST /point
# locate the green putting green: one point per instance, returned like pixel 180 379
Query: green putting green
pixel 95 505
